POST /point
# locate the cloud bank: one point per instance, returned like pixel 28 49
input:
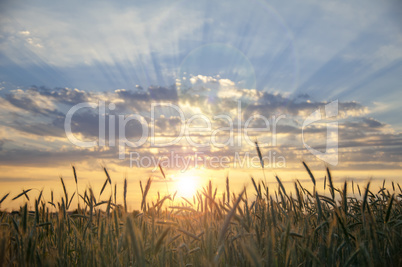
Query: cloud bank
pixel 33 133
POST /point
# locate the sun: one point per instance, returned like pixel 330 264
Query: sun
pixel 186 185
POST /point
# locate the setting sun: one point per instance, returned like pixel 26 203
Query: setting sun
pixel 186 185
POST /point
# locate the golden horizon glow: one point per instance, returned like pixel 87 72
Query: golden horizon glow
pixel 186 185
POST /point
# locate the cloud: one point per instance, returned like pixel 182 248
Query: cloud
pixel 30 100
pixel 25 33
pixel 162 93
pixel 63 95
pixel 323 49
pixel 40 129
pixel 2 142
pixel 38 114
pixel 51 106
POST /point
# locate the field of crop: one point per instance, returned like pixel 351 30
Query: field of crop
pixel 348 226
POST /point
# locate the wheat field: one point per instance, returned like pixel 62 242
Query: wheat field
pixel 347 226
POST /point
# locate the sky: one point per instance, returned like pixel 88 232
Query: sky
pixel 319 79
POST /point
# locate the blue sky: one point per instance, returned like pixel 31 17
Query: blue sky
pixel 277 57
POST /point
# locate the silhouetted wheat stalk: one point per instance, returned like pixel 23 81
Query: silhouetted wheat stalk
pixel 277 229
pixel 261 159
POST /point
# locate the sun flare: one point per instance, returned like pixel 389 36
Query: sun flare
pixel 186 186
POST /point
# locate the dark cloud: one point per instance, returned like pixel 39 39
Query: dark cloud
pixel 2 142
pixel 131 95
pixel 303 96
pixel 372 123
pixel 270 104
pixel 156 93
pixel 40 101
pixel 27 103
pixel 163 93
pixel 63 95
pixel 40 129
pixel 43 114
pixel 168 124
